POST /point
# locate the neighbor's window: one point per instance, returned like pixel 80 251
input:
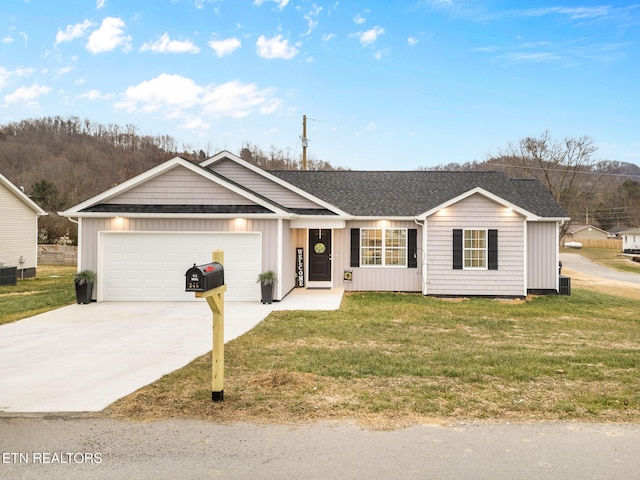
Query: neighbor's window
pixel 475 249
pixel 383 247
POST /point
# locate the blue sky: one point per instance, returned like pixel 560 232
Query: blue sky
pixel 384 84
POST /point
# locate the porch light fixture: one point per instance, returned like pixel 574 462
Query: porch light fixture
pixel 119 221
pixel 240 223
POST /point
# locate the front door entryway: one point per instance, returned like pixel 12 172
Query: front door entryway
pixel 319 255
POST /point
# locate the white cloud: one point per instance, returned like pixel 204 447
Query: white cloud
pixel 381 53
pixel 62 71
pixel 195 124
pixel 176 96
pixel 275 48
pixel 109 36
pixel 236 99
pixel 165 45
pixel 73 31
pixel 359 19
pixel 164 91
pixel 6 75
pixel 27 95
pixel 100 4
pixel 225 47
pixel 7 39
pixel 280 4
pixel 327 37
pixel 311 19
pixel 411 41
pixel 370 36
pixel 94 95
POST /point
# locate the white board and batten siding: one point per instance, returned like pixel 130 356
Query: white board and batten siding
pixel 476 212
pixel 542 256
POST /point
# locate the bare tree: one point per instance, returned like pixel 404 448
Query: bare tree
pixel 568 168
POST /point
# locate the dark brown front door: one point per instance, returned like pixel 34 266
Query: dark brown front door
pixel 319 255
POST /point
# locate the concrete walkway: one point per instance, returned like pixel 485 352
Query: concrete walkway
pixel 84 357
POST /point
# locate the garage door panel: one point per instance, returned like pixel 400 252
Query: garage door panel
pixel 148 266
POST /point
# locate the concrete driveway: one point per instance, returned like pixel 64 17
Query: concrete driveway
pixel 81 358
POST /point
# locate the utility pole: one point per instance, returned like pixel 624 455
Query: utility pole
pixel 304 142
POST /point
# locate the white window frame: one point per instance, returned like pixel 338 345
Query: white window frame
pixel 484 258
pixel 384 248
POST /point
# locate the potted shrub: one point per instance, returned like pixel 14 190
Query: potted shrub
pixel 266 281
pixel 84 281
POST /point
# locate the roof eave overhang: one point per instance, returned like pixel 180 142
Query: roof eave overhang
pixel 22 196
pixel 260 216
pixel 403 218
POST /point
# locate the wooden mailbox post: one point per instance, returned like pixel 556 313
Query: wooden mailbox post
pixel 215 299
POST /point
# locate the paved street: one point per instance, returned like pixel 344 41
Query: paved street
pixel 577 262
pixel 93 448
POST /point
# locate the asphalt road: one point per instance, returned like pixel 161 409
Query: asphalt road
pixel 577 262
pixel 98 448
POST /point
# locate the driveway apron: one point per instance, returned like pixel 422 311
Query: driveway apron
pixel 81 358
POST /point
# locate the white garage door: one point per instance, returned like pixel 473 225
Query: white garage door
pixel 150 266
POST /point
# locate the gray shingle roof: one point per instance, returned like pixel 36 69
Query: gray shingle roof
pixel 411 193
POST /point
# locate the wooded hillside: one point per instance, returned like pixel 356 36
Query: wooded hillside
pixel 63 161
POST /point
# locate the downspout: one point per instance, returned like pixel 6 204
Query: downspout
pixel 557 264
pixel 423 264
pixel 79 257
pixel 279 259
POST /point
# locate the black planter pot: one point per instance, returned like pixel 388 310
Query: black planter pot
pixel 267 292
pixel 84 292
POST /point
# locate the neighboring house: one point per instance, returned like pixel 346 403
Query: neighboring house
pixel 616 232
pixel 631 240
pixel 438 233
pixel 18 229
pixel 577 232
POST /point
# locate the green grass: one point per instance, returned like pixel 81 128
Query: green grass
pixel 387 357
pixel 52 288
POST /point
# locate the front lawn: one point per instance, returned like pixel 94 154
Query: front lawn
pixel 392 359
pixel 52 288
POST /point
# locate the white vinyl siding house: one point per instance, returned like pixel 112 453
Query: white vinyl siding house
pixel 18 229
pixel 473 214
pixel 361 231
pixel 631 240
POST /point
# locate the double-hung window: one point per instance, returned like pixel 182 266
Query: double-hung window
pixel 475 249
pixel 383 247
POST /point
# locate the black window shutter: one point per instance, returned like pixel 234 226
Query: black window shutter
pixel 412 248
pixel 457 249
pixel 492 250
pixel 355 247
